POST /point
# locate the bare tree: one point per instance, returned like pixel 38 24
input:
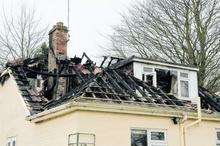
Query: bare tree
pixel 21 35
pixel 179 31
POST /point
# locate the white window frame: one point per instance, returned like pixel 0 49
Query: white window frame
pixel 157 142
pixel 179 84
pixel 217 140
pixel 153 142
pixel 77 141
pixel 179 79
pixel 10 141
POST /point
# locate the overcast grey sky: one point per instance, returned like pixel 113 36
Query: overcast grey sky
pixel 88 19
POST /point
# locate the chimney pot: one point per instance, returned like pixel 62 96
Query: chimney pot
pixel 59 23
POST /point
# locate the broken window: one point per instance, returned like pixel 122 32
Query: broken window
pixel 164 80
pixel 149 76
pixel 167 81
pixel 184 84
pixel 81 139
pixel 148 138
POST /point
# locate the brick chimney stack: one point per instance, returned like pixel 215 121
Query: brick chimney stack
pixel 58 38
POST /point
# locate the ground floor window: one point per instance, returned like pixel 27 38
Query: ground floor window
pixel 11 141
pixel 148 137
pixel 81 139
pixel 218 137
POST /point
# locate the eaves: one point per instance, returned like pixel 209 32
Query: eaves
pixel 147 110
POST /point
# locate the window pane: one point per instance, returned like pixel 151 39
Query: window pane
pixel 11 141
pixel 147 69
pixel 184 85
pixel 86 138
pixel 184 75
pixel 72 138
pixel 139 138
pixel 218 135
pixel 157 136
pixel 13 144
pixel 81 139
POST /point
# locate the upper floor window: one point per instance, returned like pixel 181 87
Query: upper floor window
pixel 81 139
pixel 149 76
pixel 184 84
pixel 167 80
pixel 170 81
pixel 148 138
pixel 11 141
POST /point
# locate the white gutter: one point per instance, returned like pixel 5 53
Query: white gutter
pixel 51 113
pixel 157 111
pixel 75 106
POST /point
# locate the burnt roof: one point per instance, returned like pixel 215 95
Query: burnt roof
pixel 116 86
pixel 34 101
pixel 105 84
pixel 209 100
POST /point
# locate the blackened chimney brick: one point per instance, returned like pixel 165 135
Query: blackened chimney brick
pixel 58 38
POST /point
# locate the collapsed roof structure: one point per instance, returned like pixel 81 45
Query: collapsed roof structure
pixel 46 83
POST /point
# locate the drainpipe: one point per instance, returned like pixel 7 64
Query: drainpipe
pixel 183 128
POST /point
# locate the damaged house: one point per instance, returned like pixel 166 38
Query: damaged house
pixel 61 101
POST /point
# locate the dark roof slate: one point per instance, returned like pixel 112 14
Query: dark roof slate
pixel 33 102
pixel 111 84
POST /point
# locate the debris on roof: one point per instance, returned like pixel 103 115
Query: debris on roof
pixel 86 79
pixel 210 101
pixel 52 80
pixel 114 83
